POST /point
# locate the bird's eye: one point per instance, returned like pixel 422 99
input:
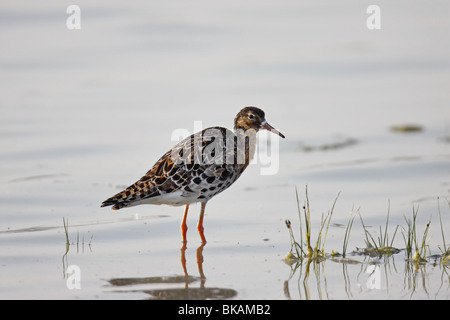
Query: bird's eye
pixel 251 116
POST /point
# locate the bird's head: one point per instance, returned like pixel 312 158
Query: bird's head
pixel 253 118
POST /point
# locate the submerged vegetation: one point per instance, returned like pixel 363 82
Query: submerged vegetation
pixel 416 246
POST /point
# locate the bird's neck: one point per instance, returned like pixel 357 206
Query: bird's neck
pixel 245 145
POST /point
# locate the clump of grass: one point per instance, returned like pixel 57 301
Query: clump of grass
pixel 411 241
pixel 309 252
pixel 346 238
pixel 382 246
pixel 445 250
pixel 347 234
pixel 294 245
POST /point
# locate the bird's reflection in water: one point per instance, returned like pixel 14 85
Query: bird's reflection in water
pixel 180 285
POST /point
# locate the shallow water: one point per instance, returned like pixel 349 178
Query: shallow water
pixel 86 112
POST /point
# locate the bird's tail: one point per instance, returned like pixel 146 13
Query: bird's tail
pixel 115 202
pixel 132 195
pixel 119 200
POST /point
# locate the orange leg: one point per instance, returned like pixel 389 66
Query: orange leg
pixel 184 225
pixel 200 223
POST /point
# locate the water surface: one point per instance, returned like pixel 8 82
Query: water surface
pixel 84 113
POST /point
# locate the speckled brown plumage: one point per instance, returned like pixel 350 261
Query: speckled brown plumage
pixel 198 167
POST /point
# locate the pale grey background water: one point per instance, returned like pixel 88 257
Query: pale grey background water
pixel 86 112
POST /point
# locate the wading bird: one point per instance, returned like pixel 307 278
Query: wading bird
pixel 197 168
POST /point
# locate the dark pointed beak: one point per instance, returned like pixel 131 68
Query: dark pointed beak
pixel 267 126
